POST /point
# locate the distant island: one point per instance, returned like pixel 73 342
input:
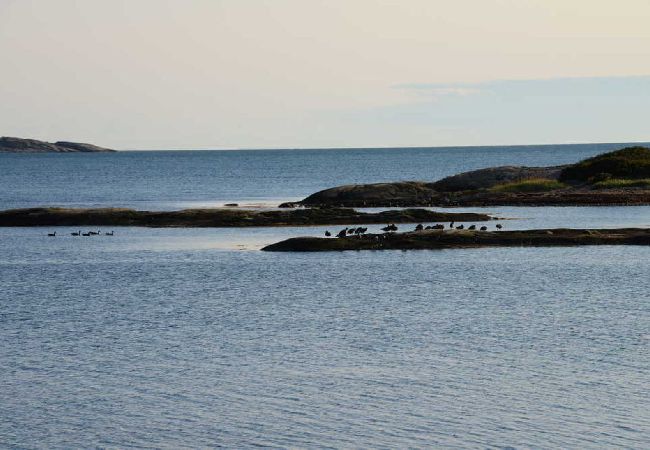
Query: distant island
pixel 19 145
pixel 621 177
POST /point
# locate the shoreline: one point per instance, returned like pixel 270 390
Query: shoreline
pixel 223 217
pixel 438 240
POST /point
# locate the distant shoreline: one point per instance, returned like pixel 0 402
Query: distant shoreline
pixel 31 146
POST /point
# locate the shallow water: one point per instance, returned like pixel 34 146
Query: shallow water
pixel 192 338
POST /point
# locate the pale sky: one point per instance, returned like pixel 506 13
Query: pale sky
pixel 221 74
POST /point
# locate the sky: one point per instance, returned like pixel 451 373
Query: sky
pixel 226 74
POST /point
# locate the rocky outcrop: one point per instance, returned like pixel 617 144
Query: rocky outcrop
pixel 434 239
pixel 19 145
pixel 492 176
pixel 506 186
pixel 34 217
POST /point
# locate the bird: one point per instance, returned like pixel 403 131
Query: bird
pixel 419 227
pixel 108 233
pixel 52 234
pixel 472 227
pixel 327 233
pixel 483 228
pixel 460 227
pixel 86 234
pixel 342 233
pixel 351 230
pixel 499 226
pixel 451 225
pixel 78 233
pixel 438 226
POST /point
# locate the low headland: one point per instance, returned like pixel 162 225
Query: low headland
pixel 449 239
pixel 621 177
pixel 20 145
pixel 35 217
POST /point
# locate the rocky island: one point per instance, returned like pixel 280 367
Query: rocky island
pixel 621 177
pixel 34 217
pixel 448 239
pixel 19 145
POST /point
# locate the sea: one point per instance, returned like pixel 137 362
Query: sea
pixel 194 338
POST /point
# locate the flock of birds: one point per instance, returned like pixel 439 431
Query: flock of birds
pixel 87 233
pixel 419 227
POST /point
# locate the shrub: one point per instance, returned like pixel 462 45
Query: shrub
pixel 529 185
pixel 630 162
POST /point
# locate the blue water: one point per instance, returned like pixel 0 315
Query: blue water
pixel 173 338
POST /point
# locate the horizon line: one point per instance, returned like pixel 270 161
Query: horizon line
pixel 373 148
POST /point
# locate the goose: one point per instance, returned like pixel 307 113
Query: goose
pixel 86 234
pixel 52 234
pixel 78 233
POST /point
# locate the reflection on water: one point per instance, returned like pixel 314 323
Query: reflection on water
pixel 153 337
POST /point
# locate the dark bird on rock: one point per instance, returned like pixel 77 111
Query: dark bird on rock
pixel 499 226
pixel 419 227
pixel 483 228
pixel 351 230
pixel 342 233
pixel 472 227
pixel 438 226
pixel 460 227
pixel 328 234
pixel 451 225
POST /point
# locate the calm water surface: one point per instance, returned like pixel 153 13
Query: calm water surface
pixel 193 338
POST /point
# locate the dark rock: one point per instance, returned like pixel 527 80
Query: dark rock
pixel 466 239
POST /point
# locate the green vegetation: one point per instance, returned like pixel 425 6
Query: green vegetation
pixel 529 185
pixel 627 163
pixel 614 183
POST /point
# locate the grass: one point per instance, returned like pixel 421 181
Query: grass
pixel 614 183
pixel 529 185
